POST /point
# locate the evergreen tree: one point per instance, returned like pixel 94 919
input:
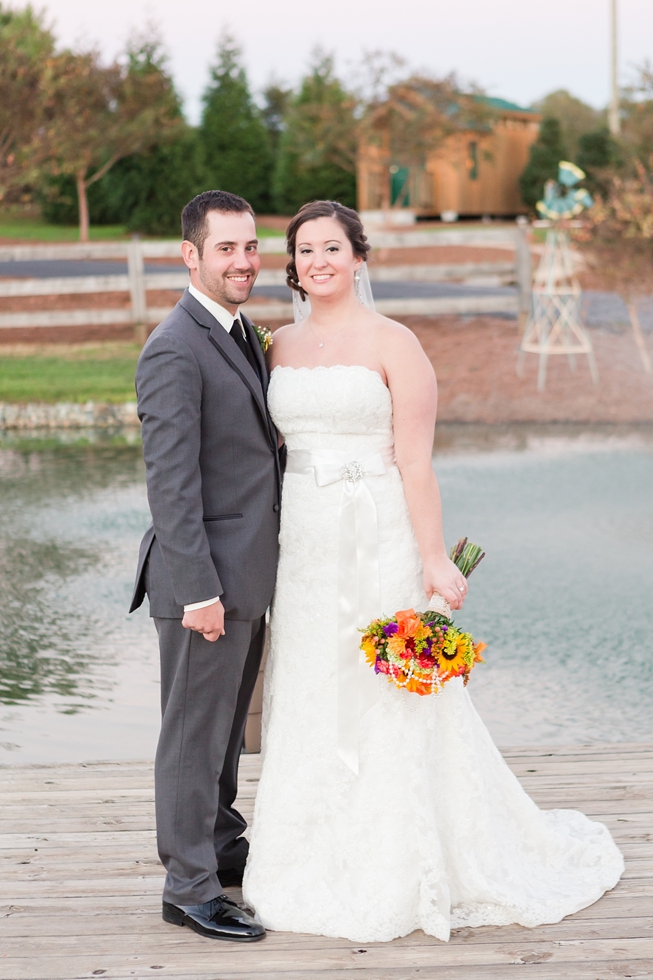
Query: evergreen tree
pixel 237 156
pixel 574 115
pixel 317 148
pixel 275 108
pixel 150 189
pixel 546 153
pixel 598 154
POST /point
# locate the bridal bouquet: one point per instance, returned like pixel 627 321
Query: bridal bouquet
pixel 422 651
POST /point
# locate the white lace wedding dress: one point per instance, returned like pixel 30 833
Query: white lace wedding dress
pixel 434 832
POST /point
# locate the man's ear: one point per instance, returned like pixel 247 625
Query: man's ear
pixel 190 254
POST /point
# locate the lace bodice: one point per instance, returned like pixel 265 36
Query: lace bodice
pixel 331 407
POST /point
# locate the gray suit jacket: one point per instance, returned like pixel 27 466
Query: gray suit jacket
pixel 213 470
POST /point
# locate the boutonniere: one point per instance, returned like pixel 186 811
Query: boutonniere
pixel 264 337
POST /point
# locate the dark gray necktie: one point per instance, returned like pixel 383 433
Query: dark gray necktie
pixel 237 333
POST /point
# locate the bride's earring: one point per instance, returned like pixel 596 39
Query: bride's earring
pixel 357 286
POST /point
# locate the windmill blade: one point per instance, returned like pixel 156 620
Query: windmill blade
pixel 569 174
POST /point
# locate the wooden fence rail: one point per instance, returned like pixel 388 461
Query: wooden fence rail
pixel 137 282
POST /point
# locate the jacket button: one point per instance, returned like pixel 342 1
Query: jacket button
pixel 275 508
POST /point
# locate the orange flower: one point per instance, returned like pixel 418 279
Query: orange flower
pixel 407 621
pixel 410 626
pixel 397 645
pixel 478 650
pixel 418 687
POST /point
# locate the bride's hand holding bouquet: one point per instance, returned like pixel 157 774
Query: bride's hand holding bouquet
pixel 422 651
pixel 443 577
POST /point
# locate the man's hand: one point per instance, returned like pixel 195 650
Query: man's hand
pixel 208 621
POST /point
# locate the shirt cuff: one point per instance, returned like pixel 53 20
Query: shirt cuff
pixel 200 605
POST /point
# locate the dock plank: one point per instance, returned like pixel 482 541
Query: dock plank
pixel 80 886
pixel 260 959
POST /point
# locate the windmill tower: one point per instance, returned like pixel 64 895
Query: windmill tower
pixel 555 326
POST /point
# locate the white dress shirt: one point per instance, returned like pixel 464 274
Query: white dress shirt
pixel 224 317
pixel 226 320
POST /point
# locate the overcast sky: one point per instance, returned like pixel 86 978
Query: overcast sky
pixel 517 49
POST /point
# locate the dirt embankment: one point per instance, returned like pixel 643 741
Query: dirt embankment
pixel 475 361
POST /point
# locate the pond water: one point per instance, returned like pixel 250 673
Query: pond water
pixel 563 597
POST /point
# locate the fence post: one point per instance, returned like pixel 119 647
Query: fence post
pixel 136 272
pixel 524 271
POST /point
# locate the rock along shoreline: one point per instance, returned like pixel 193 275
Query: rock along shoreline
pixel 67 415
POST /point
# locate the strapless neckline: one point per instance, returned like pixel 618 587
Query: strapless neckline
pixel 330 367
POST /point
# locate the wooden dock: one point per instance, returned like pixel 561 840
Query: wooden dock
pixel 81 887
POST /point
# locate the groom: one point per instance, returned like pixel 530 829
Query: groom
pixel 208 561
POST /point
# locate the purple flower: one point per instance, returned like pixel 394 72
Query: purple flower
pixel 390 629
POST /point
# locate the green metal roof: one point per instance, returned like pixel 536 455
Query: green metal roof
pixel 504 104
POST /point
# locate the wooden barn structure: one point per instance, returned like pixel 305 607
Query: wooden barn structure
pixel 471 167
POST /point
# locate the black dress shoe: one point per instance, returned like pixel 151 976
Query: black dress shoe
pixel 231 877
pixel 220 919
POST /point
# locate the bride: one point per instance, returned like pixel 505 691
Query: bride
pixel 379 812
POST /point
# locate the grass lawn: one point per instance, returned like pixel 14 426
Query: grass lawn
pixel 67 372
pixel 33 229
pixel 36 230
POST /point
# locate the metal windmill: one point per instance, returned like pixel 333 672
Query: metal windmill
pixel 555 326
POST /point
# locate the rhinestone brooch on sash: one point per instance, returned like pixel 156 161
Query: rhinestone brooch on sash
pixel 352 472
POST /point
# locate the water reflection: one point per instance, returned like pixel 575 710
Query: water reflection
pixel 71 512
pixel 39 651
pixel 564 595
pixel 564 512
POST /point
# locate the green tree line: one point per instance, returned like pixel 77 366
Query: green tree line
pixel 108 144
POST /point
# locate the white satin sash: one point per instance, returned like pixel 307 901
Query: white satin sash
pixel 359 593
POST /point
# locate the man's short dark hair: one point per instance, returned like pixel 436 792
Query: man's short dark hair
pixel 193 218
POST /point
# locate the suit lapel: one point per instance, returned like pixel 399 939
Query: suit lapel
pixel 229 349
pixel 253 341
pixel 252 338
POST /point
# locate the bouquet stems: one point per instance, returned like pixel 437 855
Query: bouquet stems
pixel 466 556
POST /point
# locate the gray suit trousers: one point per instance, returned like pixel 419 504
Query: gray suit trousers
pixel 205 693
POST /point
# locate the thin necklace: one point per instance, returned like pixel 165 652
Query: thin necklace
pixel 320 343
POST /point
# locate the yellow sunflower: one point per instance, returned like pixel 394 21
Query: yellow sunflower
pixel 369 649
pixel 457 656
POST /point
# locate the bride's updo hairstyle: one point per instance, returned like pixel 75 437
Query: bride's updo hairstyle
pixel 347 217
